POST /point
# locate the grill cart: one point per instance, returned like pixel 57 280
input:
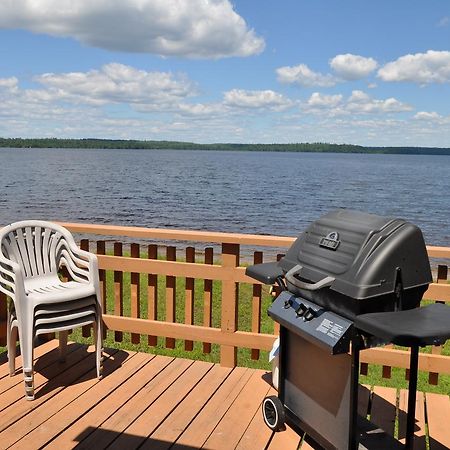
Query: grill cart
pixel 351 281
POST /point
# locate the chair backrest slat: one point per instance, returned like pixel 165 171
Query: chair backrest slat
pixel 52 252
pixel 45 250
pixel 38 249
pixel 31 250
pixel 24 260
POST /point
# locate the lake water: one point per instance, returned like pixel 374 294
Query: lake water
pixel 248 192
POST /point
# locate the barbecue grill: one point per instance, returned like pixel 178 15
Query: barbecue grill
pixel 351 281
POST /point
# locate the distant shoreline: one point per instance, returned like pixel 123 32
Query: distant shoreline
pixel 175 145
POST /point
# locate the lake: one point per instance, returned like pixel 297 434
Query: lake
pixel 246 192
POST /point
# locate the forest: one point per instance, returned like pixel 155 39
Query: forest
pixel 318 147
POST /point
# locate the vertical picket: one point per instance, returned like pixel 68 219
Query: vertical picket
pixel 208 298
pixel 152 293
pixel 442 277
pixel 256 305
pixel 3 318
pixel 135 297
pixel 101 250
pixel 189 297
pixel 171 295
pixel 118 291
pixel 86 330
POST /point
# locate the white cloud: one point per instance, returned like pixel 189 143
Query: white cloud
pixel 186 28
pixel 318 100
pixel 200 109
pixel 304 76
pixel 352 67
pixel 117 83
pixel 422 68
pixel 256 99
pixel 357 103
pixel 424 115
pixel 360 102
pixel 9 84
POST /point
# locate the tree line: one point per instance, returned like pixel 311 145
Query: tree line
pixel 318 147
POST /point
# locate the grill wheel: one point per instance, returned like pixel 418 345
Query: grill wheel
pixel 273 413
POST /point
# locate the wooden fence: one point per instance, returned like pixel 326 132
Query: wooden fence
pixel 217 263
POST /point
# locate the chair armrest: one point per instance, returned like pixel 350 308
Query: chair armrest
pixel 82 265
pixel 11 278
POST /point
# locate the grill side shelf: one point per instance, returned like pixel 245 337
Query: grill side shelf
pixel 315 324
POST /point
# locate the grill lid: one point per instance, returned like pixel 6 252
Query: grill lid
pixel 358 255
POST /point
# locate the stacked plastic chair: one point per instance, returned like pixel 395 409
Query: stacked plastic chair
pixel 32 254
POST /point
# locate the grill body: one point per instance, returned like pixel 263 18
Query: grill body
pixel 346 264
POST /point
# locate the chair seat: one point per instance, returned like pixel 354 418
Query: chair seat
pixel 60 292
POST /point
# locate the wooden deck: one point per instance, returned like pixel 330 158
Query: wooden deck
pixel 159 402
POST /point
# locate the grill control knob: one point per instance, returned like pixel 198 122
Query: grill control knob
pixel 301 310
pixel 309 314
pixel 287 304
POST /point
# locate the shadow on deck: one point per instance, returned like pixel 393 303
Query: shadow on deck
pixel 158 402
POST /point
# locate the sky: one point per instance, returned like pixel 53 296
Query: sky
pixel 374 73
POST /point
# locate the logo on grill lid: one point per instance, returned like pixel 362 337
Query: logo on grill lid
pixel 331 241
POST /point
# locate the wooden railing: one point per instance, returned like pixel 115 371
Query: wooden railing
pixel 214 277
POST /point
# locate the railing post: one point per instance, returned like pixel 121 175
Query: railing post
pixel 230 293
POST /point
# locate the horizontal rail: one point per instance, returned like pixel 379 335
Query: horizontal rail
pixel 436 291
pixel 174 268
pixel 204 236
pixel 400 358
pixel 438 252
pixel 241 339
pixel 181 235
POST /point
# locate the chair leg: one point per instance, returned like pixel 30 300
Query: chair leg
pixel 11 337
pixel 98 336
pixel 26 348
pixel 63 345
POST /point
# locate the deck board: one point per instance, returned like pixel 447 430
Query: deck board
pixel 234 423
pixel 72 410
pixel 158 402
pixel 419 429
pixel 438 412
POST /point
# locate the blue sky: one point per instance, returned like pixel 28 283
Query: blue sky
pixel 354 71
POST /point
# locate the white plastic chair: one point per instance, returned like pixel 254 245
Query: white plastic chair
pixel 31 255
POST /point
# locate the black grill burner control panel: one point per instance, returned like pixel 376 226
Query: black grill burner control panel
pixel 315 324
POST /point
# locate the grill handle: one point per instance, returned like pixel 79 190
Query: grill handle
pixel 290 276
